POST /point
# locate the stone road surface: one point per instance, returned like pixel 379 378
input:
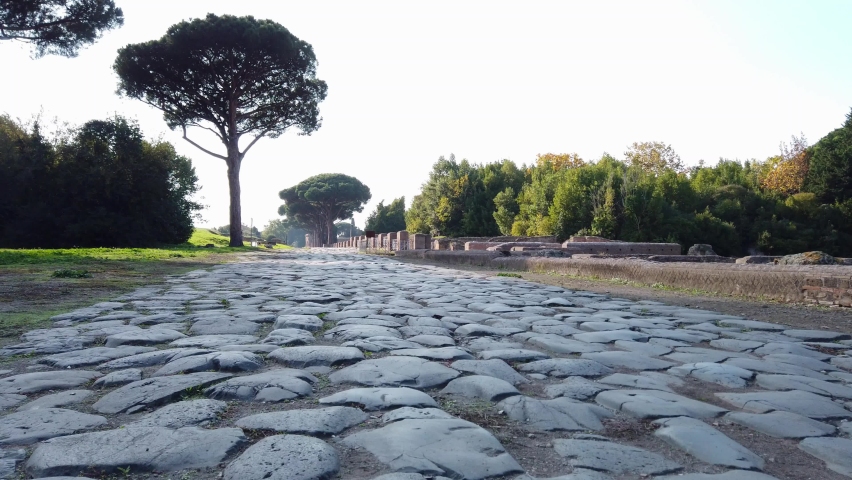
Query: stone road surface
pixel 325 365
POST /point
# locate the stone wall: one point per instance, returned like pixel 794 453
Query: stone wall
pixel 822 284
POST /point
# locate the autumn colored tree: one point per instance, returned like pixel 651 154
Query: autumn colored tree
pixel 787 172
pixel 232 76
pixel 559 161
pixel 653 157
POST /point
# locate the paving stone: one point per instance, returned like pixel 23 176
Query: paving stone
pixel 380 344
pixel 775 367
pixel 792 348
pixel 320 355
pixel 629 360
pixel 561 330
pixel 91 356
pixel 395 371
pixel 577 388
pixel 311 323
pixel 476 330
pixel 706 443
pixel 153 392
pixel 272 386
pixel 656 404
pixel 345 333
pixel 611 336
pixel 433 340
pixel 807 362
pixel 613 457
pixel 220 326
pixel 807 384
pixel 835 452
pixel 285 457
pixel 213 341
pixel 318 421
pixel 701 355
pixel 576 474
pixel 512 355
pixel 635 381
pixel 380 398
pixel 730 475
pixel 842 362
pixel 156 357
pixel 449 447
pixel 493 368
pixel 566 367
pixel 406 413
pixel 33 425
pixel 40 381
pixel 817 335
pixel 602 326
pixel 649 349
pixel 556 414
pixel 441 354
pixel 188 413
pixel 57 400
pixel 9 400
pixel 482 387
pixel 782 424
pixel 117 378
pixel 796 401
pixel 557 344
pixel 719 373
pixel 143 337
pixel 145 449
pixel 289 337
pixel 216 361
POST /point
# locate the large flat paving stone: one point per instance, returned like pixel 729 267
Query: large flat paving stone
pixel 706 443
pixel 188 413
pixel 31 426
pixel 318 421
pixel 610 336
pixel 566 367
pixel 492 368
pixel 91 356
pixel 156 357
pixel 213 341
pixel 782 424
pixel 40 381
pixel 153 392
pixel 406 413
pixel 559 344
pixel 380 344
pixel 656 404
pixel 557 414
pixel 806 384
pixel 311 323
pixel 613 458
pixel 287 337
pixel 9 400
pixel 835 452
pixel 719 373
pixel 731 475
pixel 482 387
pixel 119 377
pixel 272 386
pixel 395 371
pixel 216 361
pixel 314 356
pixel 817 335
pixel 285 457
pixel 439 354
pixel 151 336
pixel 219 326
pixel 448 447
pixel 577 388
pixel 796 401
pixel 58 400
pixel 380 398
pixel 512 355
pixel 142 449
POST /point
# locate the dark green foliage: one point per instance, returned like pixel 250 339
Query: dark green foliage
pixel 233 76
pixel 103 186
pixel 58 27
pixel 347 229
pixel 387 218
pixel 66 273
pixel 830 172
pixel 319 201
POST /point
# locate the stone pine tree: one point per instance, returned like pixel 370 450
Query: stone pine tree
pixel 57 26
pixel 232 76
pixel 321 200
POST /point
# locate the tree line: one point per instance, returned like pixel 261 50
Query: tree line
pixel 796 201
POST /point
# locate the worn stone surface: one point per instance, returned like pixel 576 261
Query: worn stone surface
pixel 782 424
pixel 706 443
pixel 406 413
pixel 319 421
pixel 655 404
pixel 30 426
pixel 449 447
pixel 40 381
pixel 153 392
pixel 272 386
pixel 231 361
pixel 91 356
pixel 144 449
pixel 726 375
pixel 285 457
pixel 327 356
pixel 796 401
pixel 380 398
pixel 835 452
pixel 184 414
pixel 120 377
pixel 557 414
pixel 613 457
pixel 395 371
pixel 566 367
pixel 493 368
pixel 482 387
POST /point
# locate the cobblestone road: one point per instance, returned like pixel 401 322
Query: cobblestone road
pixel 335 365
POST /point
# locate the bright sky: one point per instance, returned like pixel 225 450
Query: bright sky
pixel 487 80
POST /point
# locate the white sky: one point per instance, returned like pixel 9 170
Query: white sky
pixel 487 80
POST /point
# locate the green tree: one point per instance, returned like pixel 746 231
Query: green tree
pixel 321 200
pixel 347 229
pixel 387 218
pixel 507 209
pixel 232 76
pixel 58 27
pixel 104 186
pixel 830 173
pixel 653 157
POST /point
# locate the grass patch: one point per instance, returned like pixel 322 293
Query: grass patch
pixel 66 273
pixel 510 275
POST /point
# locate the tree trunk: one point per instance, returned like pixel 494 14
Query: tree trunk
pixel 332 235
pixel 234 188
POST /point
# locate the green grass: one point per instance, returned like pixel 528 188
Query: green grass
pixel 510 275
